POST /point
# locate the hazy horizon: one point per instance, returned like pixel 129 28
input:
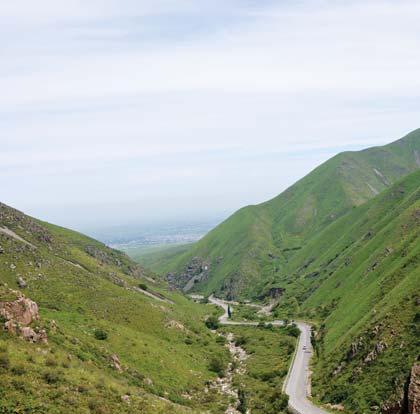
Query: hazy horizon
pixel 119 113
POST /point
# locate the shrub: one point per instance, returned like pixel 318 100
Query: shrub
pixel 19 385
pixel 19 370
pixel 217 365
pixel 143 286
pixel 4 362
pixel 100 334
pixel 292 330
pixel 221 340
pixel 82 389
pixel 188 341
pixel 52 377
pixel 242 407
pixel 212 322
pixel 278 402
pixel 241 340
pixel 97 407
pixel 51 362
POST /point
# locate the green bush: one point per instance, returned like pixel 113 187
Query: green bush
pixel 221 340
pixel 278 402
pixel 100 334
pixel 52 377
pixel 4 362
pixel 51 362
pixel 143 286
pixel 18 370
pixel 292 330
pixel 241 340
pixel 242 407
pixel 212 322
pixel 217 365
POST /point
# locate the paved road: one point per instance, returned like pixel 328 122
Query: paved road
pixel 298 383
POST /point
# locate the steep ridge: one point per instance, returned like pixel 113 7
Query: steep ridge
pixel 82 336
pixel 360 279
pixel 244 255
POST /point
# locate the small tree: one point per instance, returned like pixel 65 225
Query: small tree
pixel 229 310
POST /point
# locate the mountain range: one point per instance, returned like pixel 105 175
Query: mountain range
pixel 87 330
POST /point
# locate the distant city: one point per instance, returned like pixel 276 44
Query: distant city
pixel 141 235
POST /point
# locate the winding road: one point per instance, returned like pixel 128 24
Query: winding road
pixel 298 382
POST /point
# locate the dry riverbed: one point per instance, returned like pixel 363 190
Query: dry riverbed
pixel 236 367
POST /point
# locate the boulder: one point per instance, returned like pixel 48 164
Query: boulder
pixel 18 315
pixel 115 363
pixel 21 282
pixel 22 310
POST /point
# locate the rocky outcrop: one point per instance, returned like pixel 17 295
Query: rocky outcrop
pixel 22 310
pixel 414 390
pixel 355 347
pixel 14 218
pixel 276 292
pixel 197 270
pixel 378 349
pixel 18 315
pixel 115 363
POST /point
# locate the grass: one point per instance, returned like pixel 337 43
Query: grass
pixel 251 249
pixel 269 355
pixel 164 347
pixel 152 257
pixel 348 261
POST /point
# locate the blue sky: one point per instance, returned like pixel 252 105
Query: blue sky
pixel 133 111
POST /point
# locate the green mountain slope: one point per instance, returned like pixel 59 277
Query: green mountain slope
pixel 360 278
pixel 243 256
pixel 96 318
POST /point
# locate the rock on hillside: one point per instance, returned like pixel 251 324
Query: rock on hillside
pixel 18 314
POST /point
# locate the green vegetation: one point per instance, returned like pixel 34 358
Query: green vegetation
pixel 97 319
pixel 153 256
pixel 253 247
pixel 347 259
pixel 212 322
pixel 336 253
pixel 269 355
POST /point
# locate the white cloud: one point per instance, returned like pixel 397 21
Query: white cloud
pixel 138 96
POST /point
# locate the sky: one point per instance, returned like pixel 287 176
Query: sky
pixel 134 111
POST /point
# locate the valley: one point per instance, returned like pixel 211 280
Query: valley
pixel 208 327
pixel 331 251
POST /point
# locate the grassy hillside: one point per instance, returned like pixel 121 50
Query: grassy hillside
pixel 153 256
pixel 360 280
pixel 92 308
pixel 248 252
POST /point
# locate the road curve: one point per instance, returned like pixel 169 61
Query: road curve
pixel 224 319
pixel 298 383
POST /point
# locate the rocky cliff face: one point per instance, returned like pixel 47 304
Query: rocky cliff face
pixel 197 270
